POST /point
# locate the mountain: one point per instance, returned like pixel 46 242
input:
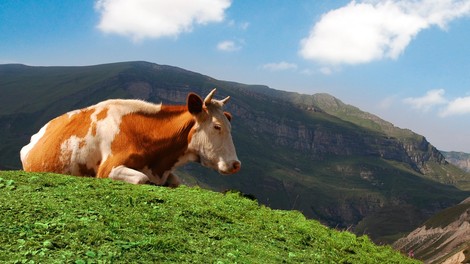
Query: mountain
pixel 459 159
pixel 445 236
pixel 311 153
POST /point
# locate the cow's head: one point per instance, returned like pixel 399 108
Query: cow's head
pixel 210 138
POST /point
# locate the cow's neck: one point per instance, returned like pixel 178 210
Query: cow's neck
pixel 162 139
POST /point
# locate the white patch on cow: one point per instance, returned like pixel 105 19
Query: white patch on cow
pixel 69 150
pixel 72 113
pixel 130 106
pixel 34 140
pixel 122 173
pixel 95 148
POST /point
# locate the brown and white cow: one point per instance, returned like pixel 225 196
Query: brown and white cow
pixel 135 141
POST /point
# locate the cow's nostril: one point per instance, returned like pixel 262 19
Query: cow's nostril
pixel 236 166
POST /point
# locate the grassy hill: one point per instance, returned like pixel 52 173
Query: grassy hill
pixel 311 153
pixel 55 218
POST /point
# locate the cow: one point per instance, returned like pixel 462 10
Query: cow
pixel 135 141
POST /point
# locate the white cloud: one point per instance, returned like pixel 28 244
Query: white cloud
pixel 426 102
pixel 458 106
pixel 140 19
pixel 435 98
pixel 364 31
pixel 280 66
pixel 228 46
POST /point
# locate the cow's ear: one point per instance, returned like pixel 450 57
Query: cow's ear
pixel 229 116
pixel 194 103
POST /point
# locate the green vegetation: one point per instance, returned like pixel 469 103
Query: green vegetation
pixel 55 218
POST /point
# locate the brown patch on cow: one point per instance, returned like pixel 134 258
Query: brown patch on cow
pixel 93 129
pixel 47 154
pixel 156 141
pixel 102 115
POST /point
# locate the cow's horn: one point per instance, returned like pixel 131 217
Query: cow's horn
pixel 208 99
pixel 224 101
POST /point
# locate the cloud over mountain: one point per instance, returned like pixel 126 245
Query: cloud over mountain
pixel 426 102
pixel 434 98
pixel 369 30
pixel 458 106
pixel 140 19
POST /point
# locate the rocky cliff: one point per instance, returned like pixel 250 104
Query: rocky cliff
pixel 444 236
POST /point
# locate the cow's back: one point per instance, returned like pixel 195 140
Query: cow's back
pixel 79 141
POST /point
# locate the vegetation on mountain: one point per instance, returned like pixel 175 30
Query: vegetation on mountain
pixel 50 218
pixel 311 153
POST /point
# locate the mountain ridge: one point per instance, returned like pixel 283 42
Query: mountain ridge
pixel 296 154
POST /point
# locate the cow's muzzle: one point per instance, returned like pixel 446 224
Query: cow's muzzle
pixel 230 167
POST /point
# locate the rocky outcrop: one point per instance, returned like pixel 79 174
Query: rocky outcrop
pixel 440 236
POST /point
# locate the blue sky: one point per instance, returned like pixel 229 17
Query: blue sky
pixel 407 61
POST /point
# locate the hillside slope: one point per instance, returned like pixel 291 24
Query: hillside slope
pixel 314 154
pixel 442 236
pixel 54 218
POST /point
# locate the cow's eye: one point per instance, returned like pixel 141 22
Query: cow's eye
pixel 217 127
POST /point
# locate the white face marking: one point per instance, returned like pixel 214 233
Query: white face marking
pixel 34 140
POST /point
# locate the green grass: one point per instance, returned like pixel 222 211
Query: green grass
pixel 49 218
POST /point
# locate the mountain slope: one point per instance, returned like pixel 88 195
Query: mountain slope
pixel 441 236
pixel 297 151
pixel 459 159
pixel 50 218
